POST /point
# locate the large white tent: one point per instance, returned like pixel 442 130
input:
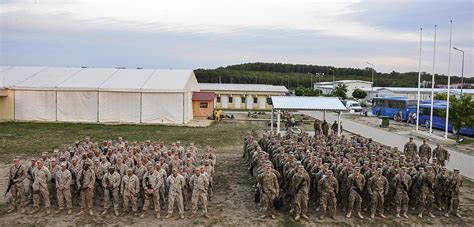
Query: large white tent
pixel 100 95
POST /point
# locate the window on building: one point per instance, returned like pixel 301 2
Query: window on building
pixel 255 100
pixel 231 100
pixel 244 99
pixel 218 99
pixel 203 105
pixel 269 101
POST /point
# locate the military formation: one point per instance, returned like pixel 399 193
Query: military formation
pixel 117 177
pixel 353 174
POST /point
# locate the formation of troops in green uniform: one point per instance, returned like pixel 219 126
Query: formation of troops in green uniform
pixel 355 174
pixel 115 176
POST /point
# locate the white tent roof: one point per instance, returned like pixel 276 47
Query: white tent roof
pixel 98 79
pixel 242 87
pixel 307 103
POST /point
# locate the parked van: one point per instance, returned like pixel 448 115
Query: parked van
pixel 353 105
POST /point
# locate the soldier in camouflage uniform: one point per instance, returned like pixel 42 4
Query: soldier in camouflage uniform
pixel 424 151
pixel 377 188
pixel 29 182
pixel 410 149
pixel 17 176
pixel 402 182
pixel 40 187
pixel 85 184
pixel 328 187
pixel 355 184
pixel 129 189
pixel 151 184
pixel 176 184
pixel 300 188
pixel 427 180
pixel 111 184
pixel 199 185
pixel 452 194
pixel 63 188
pixel 268 191
pixel 441 185
pixel 441 154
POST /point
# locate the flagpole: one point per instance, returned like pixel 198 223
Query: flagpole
pixel 432 82
pixel 419 81
pixel 449 79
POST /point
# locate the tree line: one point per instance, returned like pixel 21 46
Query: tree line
pixel 300 75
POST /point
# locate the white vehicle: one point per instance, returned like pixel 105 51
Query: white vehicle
pixel 353 106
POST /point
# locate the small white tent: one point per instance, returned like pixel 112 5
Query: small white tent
pixel 101 95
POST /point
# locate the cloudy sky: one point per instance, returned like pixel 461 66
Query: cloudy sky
pixel 209 34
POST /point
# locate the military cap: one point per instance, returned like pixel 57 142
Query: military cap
pixel 429 167
pixel 404 168
pixel 111 167
pixel 63 164
pixel 435 159
pixel 300 167
pixel 357 168
pixel 421 168
pixel 33 159
pixel 456 170
pixel 379 169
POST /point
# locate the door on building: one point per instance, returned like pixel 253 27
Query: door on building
pixel 225 101
pixel 261 102
pixel 237 102
pixel 249 103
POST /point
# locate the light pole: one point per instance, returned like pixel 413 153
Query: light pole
pixel 462 70
pixel 372 74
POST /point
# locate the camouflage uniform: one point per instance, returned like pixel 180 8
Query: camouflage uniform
pixel 175 195
pixel 455 183
pixel 356 184
pixel 18 175
pixel 410 149
pixel 328 187
pixel 63 187
pixel 378 188
pixel 199 185
pixel 301 183
pixel 85 183
pixel 152 190
pixel 111 189
pixel 402 184
pixel 441 154
pixel 426 198
pixel 269 190
pixel 424 151
pixel 129 189
pixel 40 186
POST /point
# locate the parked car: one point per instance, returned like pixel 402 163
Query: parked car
pixel 353 105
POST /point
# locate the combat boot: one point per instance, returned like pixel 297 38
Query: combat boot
pixel 104 212
pixel 349 214
pixel 446 215
pixel 167 216
pixel 360 215
pixel 458 215
pixel 273 216
pixel 69 211
pixel 297 217
pixel 48 211
pixel 22 211
pixel 205 215
pixel 405 215
pixel 157 215
pixel 263 216
pixel 420 215
pixel 91 213
pixel 381 215
pixel 321 217
pixel 193 215
pixel 142 215
pixel 116 213
pixel 81 212
pixel 431 215
pixel 181 216
pixel 372 216
pixel 304 216
pixel 13 209
pixel 398 215
pixel 58 211
pixel 35 209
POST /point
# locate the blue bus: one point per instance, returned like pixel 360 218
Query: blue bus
pixel 391 106
pixel 439 117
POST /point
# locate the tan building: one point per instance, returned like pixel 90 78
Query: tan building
pixel 203 104
pixel 243 96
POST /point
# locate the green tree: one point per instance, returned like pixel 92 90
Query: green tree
pixel 341 90
pixel 359 94
pixel 302 91
pixel 461 112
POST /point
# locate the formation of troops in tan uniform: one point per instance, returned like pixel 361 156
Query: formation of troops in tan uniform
pixel 116 176
pixel 355 174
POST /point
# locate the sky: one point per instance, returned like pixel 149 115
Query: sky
pixel 208 34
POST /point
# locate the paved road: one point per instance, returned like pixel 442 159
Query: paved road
pixel 458 160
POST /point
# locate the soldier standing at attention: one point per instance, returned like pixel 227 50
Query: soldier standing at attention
pixel 41 175
pixel 175 195
pixel 151 184
pixel 111 184
pixel 441 154
pixel 130 189
pixel 378 188
pixel 325 127
pixel 427 192
pixel 424 151
pixel 85 183
pixel 402 182
pixel 199 185
pixel 317 127
pixel 269 190
pixel 328 187
pixel 17 176
pixel 355 183
pixel 63 188
pixel 410 149
pixel 300 190
pixel 455 183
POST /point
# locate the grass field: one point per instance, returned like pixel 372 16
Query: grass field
pixel 31 139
